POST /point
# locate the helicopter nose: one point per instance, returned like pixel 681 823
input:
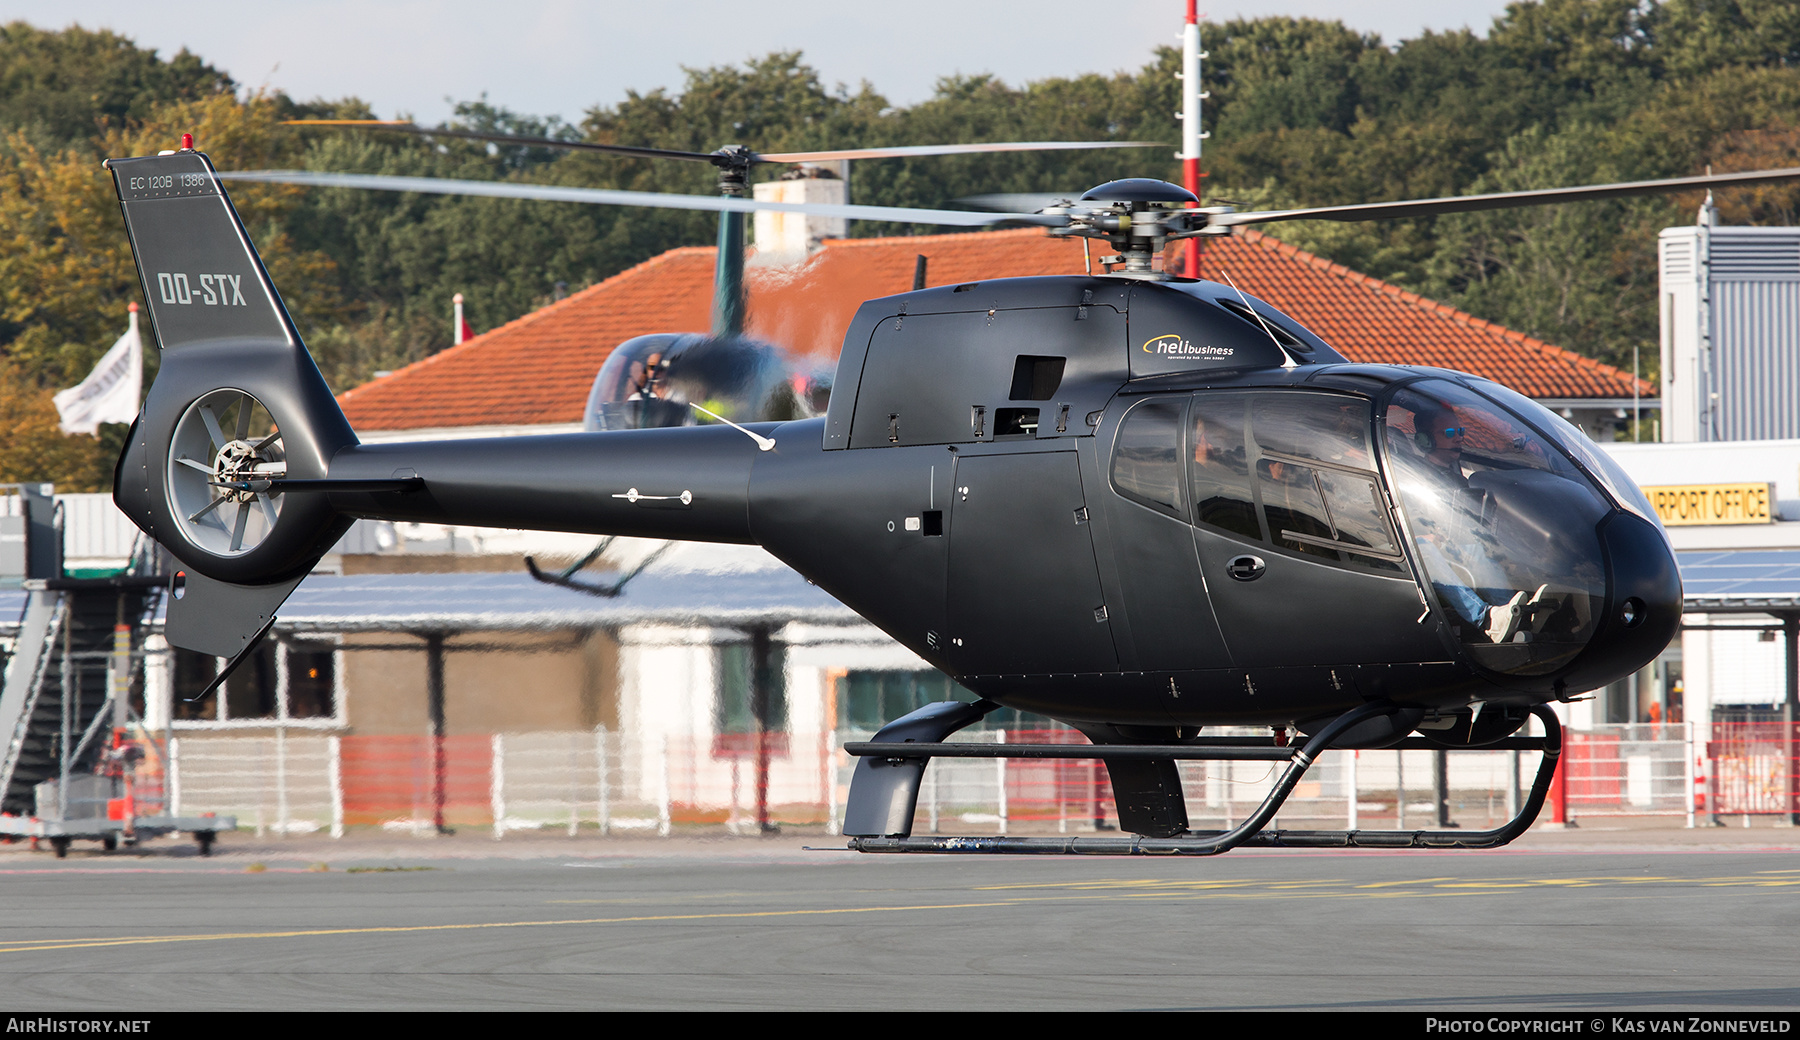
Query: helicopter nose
pixel 1643 603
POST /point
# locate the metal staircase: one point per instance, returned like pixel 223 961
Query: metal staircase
pixel 55 683
pixel 55 691
pixel 39 633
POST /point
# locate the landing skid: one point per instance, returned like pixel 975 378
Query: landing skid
pixel 1250 833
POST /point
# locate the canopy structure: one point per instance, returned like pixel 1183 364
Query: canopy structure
pixel 491 602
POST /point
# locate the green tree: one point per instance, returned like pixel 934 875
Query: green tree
pixel 61 89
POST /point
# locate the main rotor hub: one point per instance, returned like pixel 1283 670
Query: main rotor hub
pixel 1137 216
pixel 734 162
pixel 1141 191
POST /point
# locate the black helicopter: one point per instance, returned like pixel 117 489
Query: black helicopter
pixel 1139 504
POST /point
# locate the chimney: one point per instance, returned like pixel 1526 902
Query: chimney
pixel 789 238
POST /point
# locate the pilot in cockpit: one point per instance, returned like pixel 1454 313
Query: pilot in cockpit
pixel 1440 437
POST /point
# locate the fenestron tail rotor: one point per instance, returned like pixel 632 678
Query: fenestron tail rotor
pixel 224 460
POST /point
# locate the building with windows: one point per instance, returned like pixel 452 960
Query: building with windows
pixel 1732 511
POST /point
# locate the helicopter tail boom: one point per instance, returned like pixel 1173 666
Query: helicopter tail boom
pixel 690 483
pixel 244 467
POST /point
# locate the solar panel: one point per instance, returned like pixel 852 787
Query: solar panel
pixel 1740 580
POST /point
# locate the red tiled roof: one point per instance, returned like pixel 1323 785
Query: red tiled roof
pixel 538 369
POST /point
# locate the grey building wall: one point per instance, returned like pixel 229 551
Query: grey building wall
pixel 1730 307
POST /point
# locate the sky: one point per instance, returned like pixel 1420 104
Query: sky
pixel 562 57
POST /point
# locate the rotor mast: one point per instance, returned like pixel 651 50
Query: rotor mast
pixel 1191 133
pixel 728 272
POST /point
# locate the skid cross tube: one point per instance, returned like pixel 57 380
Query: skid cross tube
pixel 1249 833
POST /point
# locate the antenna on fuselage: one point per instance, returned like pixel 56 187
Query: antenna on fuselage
pixel 1287 358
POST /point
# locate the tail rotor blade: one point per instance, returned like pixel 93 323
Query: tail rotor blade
pixel 213 430
pixel 214 504
pixel 237 531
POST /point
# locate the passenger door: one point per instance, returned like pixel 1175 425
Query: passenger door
pixel 1024 592
pixel 1294 535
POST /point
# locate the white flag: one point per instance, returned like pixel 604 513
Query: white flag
pixel 110 392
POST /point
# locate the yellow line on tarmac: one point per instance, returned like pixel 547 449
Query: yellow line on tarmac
pixel 1409 881
pixel 42 945
pixel 1165 888
pixel 1126 884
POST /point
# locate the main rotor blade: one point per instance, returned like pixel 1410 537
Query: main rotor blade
pixel 898 151
pixel 516 139
pixel 904 151
pixel 1020 201
pixel 1505 200
pixel 614 197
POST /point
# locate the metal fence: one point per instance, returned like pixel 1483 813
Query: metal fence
pixel 565 781
pixel 1632 769
pixel 597 781
pixel 1751 769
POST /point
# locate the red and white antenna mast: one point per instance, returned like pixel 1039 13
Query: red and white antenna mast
pixel 1191 134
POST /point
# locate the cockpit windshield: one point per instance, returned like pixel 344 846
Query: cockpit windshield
pixel 1601 465
pixel 1503 523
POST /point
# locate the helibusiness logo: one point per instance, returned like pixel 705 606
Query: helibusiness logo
pixel 1172 345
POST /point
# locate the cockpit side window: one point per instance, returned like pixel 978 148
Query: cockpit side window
pixel 1316 476
pixel 1294 469
pixel 1146 466
pixel 1220 466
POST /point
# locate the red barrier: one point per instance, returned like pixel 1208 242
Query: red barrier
pixel 1592 767
pixel 1056 789
pixel 1753 767
pixel 391 778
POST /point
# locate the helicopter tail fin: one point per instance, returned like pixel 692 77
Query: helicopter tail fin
pixel 238 419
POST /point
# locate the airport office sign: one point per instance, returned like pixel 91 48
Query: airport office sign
pixel 1691 505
